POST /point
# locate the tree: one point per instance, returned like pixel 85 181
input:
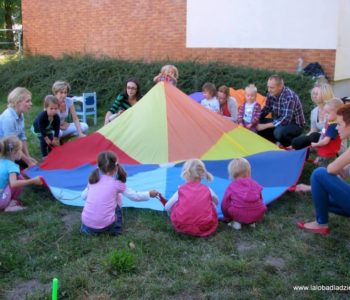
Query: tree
pixel 10 13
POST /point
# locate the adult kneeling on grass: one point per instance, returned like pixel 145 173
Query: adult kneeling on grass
pixel 330 191
pixel 12 122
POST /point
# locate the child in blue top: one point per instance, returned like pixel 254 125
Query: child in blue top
pixel 46 125
pixel 11 182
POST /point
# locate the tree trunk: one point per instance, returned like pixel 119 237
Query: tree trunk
pixel 8 21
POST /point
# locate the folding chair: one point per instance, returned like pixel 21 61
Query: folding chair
pixel 86 105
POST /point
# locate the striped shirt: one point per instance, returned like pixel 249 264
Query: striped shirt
pixel 120 103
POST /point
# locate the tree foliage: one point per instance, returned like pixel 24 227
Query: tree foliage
pixel 10 14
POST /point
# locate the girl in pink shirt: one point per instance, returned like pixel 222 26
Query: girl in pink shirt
pixel 102 210
pixel 192 208
pixel 242 202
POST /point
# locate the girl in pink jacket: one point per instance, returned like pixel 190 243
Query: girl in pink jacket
pixel 192 208
pixel 242 202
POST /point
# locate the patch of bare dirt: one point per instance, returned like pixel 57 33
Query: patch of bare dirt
pixel 24 290
pixel 243 246
pixel 276 263
pixel 71 218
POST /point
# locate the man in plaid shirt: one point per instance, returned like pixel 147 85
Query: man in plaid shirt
pixel 287 113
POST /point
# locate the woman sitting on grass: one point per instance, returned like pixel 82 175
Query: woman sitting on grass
pixel 60 90
pixel 228 104
pixel 128 98
pixel 330 191
pixel 319 95
pixel 12 122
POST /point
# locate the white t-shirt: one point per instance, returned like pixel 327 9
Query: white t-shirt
pixel 212 104
pixel 248 112
pixel 64 114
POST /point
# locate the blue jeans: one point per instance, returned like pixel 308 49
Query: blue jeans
pixel 329 194
pixel 115 228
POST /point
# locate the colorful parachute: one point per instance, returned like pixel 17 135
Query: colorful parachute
pixel 154 137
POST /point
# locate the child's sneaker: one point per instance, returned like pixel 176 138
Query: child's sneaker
pixel 235 225
pixel 14 205
pixel 14 208
pixel 252 225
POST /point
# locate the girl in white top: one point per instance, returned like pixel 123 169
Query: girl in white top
pixel 61 89
pixel 210 101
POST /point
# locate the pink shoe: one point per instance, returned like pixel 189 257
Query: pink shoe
pixel 319 230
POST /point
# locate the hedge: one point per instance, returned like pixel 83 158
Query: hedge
pixel 106 76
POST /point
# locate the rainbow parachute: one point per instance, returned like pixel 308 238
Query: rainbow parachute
pixel 154 137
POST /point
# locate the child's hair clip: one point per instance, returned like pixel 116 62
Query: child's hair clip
pixel 10 146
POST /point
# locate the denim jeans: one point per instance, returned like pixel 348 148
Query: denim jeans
pixel 115 228
pixel 329 194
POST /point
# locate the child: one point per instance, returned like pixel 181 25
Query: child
pixel 249 111
pixel 102 210
pixel 329 143
pixel 10 182
pixel 192 208
pixel 242 202
pixel 168 73
pixel 46 125
pixel 210 101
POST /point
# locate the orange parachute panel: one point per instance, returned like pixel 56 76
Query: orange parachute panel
pixel 240 97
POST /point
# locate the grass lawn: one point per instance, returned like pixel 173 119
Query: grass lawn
pixel 151 261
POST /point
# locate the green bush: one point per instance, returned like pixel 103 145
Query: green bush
pixel 120 261
pixel 106 76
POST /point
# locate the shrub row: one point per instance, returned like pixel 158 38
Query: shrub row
pixel 106 76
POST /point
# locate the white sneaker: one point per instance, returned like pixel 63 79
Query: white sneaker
pixel 252 225
pixel 235 225
pixel 14 208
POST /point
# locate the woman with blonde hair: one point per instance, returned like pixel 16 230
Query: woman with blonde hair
pixel 192 208
pixel 19 101
pixel 319 95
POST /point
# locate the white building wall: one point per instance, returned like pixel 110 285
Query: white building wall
pixel 285 24
pixel 342 61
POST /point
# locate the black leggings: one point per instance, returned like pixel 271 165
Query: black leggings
pixel 304 141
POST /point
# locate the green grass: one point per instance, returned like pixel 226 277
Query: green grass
pixel 150 261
